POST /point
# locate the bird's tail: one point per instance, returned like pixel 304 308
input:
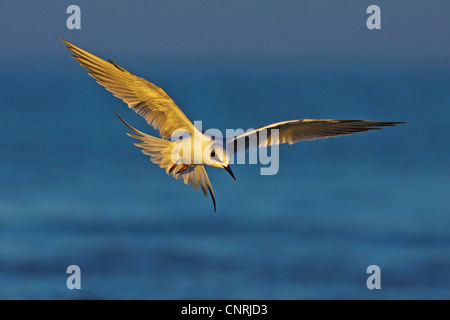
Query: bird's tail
pixel 158 149
pixel 160 152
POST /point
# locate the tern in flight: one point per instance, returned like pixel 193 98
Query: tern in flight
pixel 161 112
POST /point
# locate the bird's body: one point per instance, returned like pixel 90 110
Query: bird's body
pixel 186 158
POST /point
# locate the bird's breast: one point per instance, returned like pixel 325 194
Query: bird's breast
pixel 191 150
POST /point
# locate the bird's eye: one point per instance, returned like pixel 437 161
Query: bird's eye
pixel 213 153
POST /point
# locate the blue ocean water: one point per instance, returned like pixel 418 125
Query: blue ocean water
pixel 75 191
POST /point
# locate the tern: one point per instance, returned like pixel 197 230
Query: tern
pixel 161 112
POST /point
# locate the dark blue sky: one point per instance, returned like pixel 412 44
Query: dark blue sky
pixel 415 30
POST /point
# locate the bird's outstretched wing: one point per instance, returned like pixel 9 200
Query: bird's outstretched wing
pixel 299 130
pixel 148 100
pixel 160 152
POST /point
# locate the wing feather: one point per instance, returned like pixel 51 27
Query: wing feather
pixel 145 98
pixel 300 130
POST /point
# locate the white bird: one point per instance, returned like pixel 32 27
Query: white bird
pixel 161 112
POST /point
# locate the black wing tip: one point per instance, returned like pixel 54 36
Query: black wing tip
pixel 389 123
pixel 371 124
pixel 116 65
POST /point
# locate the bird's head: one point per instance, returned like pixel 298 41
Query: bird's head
pixel 218 157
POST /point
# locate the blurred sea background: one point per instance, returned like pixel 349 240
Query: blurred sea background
pixel 75 191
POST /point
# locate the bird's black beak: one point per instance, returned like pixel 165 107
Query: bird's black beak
pixel 228 168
